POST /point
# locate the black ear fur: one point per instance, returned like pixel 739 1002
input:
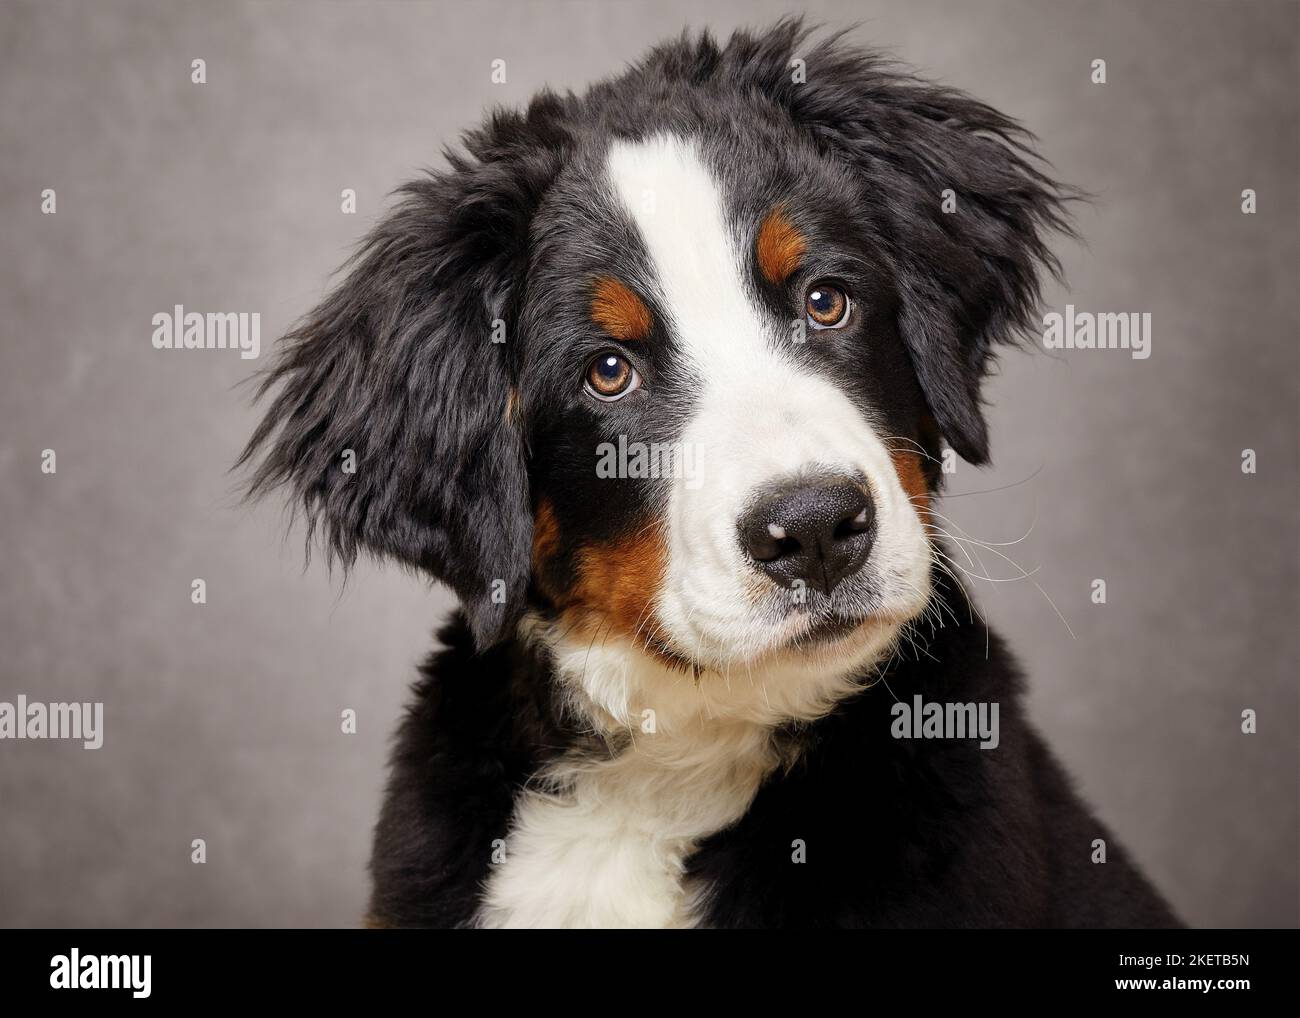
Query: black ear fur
pixel 969 279
pixel 398 365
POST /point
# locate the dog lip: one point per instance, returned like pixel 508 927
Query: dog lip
pixel 828 628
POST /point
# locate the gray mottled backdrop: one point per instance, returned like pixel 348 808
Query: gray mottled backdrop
pixel 222 720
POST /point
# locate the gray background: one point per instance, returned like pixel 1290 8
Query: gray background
pixel 223 719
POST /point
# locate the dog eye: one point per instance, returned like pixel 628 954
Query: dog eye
pixel 611 376
pixel 827 306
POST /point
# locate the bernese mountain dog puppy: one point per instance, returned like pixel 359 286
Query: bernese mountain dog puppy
pixel 658 379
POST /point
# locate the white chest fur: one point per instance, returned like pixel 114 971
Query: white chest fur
pixel 604 843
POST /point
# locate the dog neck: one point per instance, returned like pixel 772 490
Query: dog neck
pixel 617 686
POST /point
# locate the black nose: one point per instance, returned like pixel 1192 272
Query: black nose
pixel 815 531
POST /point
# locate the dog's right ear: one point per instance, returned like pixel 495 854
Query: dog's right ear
pixel 391 421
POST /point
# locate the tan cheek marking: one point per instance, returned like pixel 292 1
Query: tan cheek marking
pixel 616 581
pixel 619 311
pixel 780 247
pixel 907 465
pixel 616 585
pixel 546 539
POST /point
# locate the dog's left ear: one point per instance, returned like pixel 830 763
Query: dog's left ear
pixel 392 423
pixel 962 197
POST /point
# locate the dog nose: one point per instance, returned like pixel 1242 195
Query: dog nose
pixel 818 532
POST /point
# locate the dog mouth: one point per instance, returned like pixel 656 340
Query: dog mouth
pixel 822 623
pixel 822 629
pixel 829 629
pixel 814 626
pixel 825 627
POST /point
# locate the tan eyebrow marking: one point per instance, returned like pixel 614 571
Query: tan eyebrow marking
pixel 619 311
pixel 780 247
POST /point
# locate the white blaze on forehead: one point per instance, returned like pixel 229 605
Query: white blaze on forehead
pixel 755 413
pixel 680 213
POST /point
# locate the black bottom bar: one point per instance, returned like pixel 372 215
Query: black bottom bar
pixel 1228 969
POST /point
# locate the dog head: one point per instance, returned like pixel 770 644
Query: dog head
pixel 669 365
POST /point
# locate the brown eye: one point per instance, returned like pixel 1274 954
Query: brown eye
pixel 827 306
pixel 611 376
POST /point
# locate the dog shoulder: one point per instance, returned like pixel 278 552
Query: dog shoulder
pixel 470 738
